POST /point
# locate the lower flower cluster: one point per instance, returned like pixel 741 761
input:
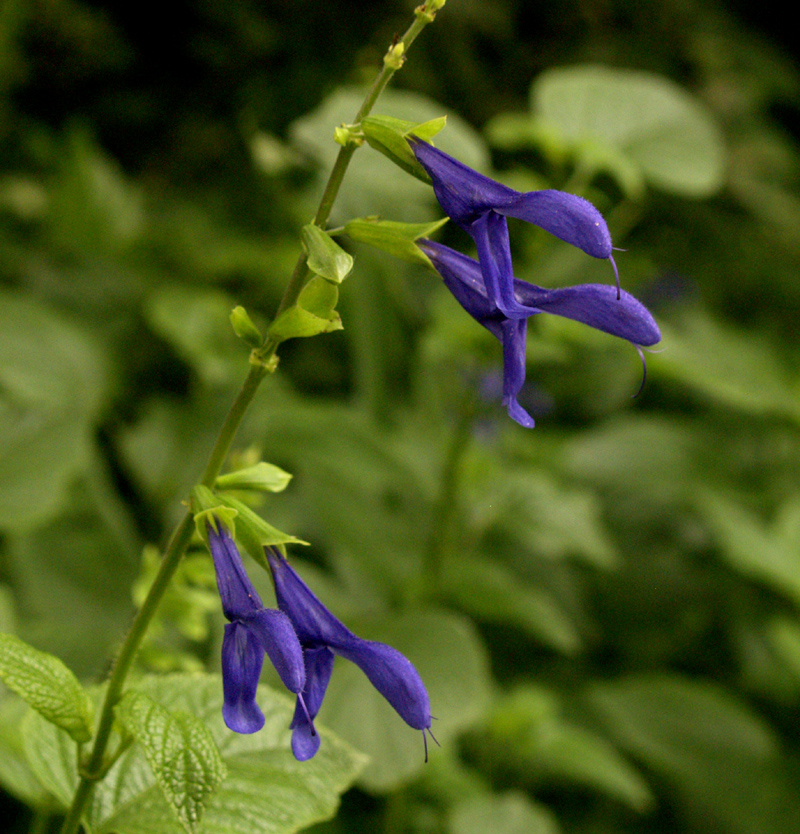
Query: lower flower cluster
pixel 301 638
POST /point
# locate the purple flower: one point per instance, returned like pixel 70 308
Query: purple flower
pixel 252 631
pixel 480 205
pixel 597 305
pixel 322 636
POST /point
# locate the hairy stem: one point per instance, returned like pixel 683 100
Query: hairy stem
pixel 93 769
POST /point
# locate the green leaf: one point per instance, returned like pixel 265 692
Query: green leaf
pixel 266 789
pixel 665 131
pixel 490 591
pixel 528 731
pixel 449 655
pixel 325 256
pixel 253 533
pixel 396 238
pixel 45 683
pixel 181 752
pixel 730 366
pixel 718 758
pixel 313 313
pixel 53 380
pixel 197 324
pixel 508 813
pixel 244 328
pixel 16 775
pixel 768 554
pixel 264 477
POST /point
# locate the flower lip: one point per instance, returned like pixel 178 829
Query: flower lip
pixel 465 195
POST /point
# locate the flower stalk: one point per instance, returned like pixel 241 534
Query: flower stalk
pixel 262 362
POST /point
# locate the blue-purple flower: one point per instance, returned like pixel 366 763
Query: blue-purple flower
pixel 253 630
pixel 322 636
pixel 594 304
pixel 480 205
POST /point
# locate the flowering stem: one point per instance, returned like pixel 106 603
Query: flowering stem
pixel 262 362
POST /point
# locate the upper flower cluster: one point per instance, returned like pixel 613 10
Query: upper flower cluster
pixel 301 638
pixel 487 288
pixel 594 304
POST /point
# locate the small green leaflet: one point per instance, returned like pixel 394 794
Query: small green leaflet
pixel 181 752
pixel 47 685
pixel 325 256
pixel 263 477
pixel 314 312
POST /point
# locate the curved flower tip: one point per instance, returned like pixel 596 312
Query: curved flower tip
pixel 597 305
pixel 567 216
pixel 322 635
pixel 242 658
pixel 305 742
pixel 517 413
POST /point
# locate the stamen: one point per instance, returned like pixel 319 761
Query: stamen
pixel 644 371
pixel 425 741
pixel 616 274
pixel 305 711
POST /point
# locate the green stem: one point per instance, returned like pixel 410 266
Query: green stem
pixel 261 364
pixel 445 510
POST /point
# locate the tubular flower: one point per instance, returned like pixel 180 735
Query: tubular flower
pixel 480 205
pixel 253 630
pixel 594 304
pixel 322 636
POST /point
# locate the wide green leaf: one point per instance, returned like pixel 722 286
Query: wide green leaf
pixel 266 789
pixel 719 759
pixel 53 380
pixel 508 813
pixel 16 776
pixel 45 683
pixel 769 554
pixel 736 368
pixel 181 752
pixel 664 130
pixel 529 732
pixel 504 597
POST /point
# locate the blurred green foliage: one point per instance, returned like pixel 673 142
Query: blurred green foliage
pixel 606 609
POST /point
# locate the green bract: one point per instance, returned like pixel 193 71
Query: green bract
pixel 244 328
pixel 389 136
pixel 314 312
pixel 253 533
pixel 325 256
pixel 397 239
pixel 264 477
